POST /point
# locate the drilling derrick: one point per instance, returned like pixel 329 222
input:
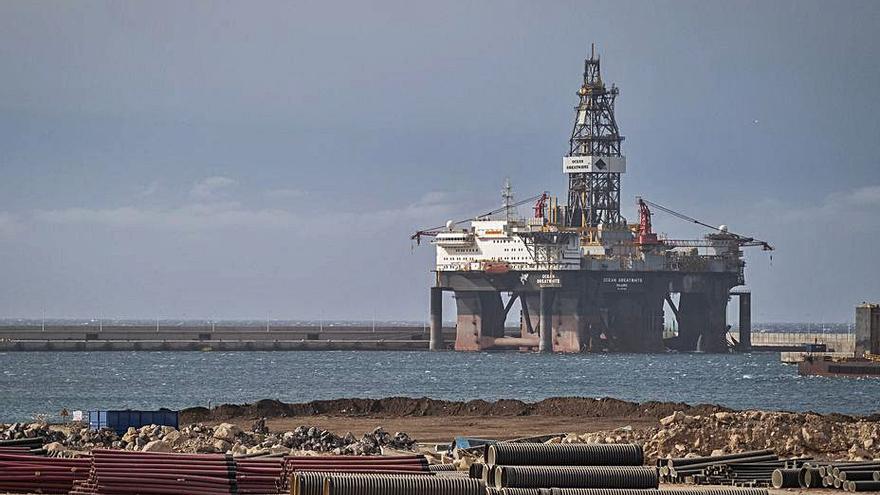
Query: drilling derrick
pixel 594 162
pixel 585 280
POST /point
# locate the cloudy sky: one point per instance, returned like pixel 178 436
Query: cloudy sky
pixel 244 159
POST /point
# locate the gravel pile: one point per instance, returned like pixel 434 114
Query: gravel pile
pixel 788 434
pixel 199 438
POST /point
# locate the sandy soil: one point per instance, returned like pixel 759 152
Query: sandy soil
pixel 428 420
pixel 444 429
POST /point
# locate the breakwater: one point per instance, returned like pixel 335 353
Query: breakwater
pixel 213 338
pixel 249 337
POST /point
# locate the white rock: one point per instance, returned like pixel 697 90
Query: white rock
pixel 157 446
pixel 173 437
pixel 226 431
pixel 130 435
pixel 672 418
pixel 54 447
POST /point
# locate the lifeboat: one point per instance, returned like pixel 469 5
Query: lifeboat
pixel 495 267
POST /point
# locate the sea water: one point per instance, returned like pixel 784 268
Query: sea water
pixel 34 383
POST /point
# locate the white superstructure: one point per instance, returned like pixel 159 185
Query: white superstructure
pixel 502 245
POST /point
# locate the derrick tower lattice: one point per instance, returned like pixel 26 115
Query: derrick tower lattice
pixel 594 162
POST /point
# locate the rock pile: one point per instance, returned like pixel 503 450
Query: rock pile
pixel 19 431
pixel 788 434
pixel 198 438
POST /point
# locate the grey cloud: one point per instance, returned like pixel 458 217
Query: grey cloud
pixel 865 196
pixel 149 190
pixel 286 193
pixel 219 215
pixel 856 206
pixel 210 187
pixel 9 225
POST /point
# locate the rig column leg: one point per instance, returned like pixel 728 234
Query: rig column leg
pixel 436 319
pixel 745 320
pixel 545 344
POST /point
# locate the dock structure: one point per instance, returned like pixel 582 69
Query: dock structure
pixel 865 361
pixel 584 278
pixel 867 329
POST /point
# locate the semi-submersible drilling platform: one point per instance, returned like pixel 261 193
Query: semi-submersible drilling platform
pixel 586 280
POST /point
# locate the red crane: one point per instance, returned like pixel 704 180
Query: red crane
pixel 539 205
pixel 646 233
pixel 647 236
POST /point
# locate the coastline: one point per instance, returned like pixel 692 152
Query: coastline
pixel 664 429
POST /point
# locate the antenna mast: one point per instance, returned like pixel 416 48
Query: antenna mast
pixel 507 196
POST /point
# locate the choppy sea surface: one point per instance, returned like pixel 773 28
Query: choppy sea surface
pixel 45 382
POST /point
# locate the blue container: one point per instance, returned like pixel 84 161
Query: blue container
pixel 120 421
pixel 471 442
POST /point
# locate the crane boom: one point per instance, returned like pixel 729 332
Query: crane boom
pixel 435 230
pixel 744 242
pixel 740 239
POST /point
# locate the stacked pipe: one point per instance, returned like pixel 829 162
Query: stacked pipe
pixel 312 482
pixel 115 472
pixel 257 475
pixel 750 474
pixel 437 468
pixel 849 476
pixel 624 491
pixel 530 465
pixel 22 446
pixel 341 463
pixel 400 484
pixel 26 473
pixel 746 469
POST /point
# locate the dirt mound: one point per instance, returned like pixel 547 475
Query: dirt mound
pixel 419 407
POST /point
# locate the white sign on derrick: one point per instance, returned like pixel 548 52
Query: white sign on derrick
pixel 587 163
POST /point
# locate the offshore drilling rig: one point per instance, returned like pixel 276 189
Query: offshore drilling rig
pixel 585 279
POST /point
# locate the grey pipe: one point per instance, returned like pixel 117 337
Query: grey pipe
pixel 862 486
pixel 785 478
pixel 857 475
pixel 564 454
pixel 624 491
pixel 576 477
pixel 401 485
pixel 694 468
pixel 685 461
pixel 442 467
pixel 810 478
